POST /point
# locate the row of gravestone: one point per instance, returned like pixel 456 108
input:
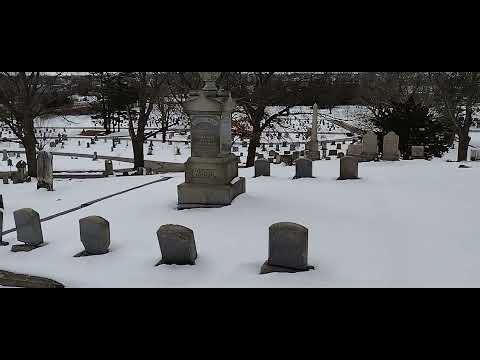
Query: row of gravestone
pixel 287 247
pixel 368 149
pixel 303 168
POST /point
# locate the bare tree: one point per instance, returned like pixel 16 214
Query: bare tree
pixel 24 97
pixel 457 99
pixel 255 93
pixel 140 93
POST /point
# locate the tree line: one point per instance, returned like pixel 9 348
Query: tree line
pixel 428 108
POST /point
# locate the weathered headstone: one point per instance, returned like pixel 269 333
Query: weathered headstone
pixel 287 249
pixel 418 152
pixel 45 170
pixel 95 235
pixel 20 176
pixel 355 150
pixel 348 168
pixel 177 245
pixel 5 155
pixel 339 146
pixel 370 146
pixel 390 147
pixel 108 168
pixel 95 156
pixel 277 147
pixel 474 154
pixel 262 168
pixel 332 152
pixel 29 229
pixel 303 168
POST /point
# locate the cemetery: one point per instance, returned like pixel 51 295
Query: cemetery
pixel 326 203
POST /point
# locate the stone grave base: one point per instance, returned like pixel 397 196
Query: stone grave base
pixel 26 247
pixel 268 268
pixel 162 262
pixel 85 253
pixel 348 178
pixel 8 278
pixel 209 196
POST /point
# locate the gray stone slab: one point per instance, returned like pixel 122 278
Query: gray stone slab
pixel 95 235
pixel 348 168
pixel 418 152
pixel 288 247
pixel 262 168
pixel 390 147
pixel 177 245
pixel 303 168
pixel 29 228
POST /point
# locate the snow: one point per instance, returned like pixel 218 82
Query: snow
pixel 406 223
pixel 403 224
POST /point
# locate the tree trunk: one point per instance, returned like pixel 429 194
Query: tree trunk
pixel 31 153
pixel 252 147
pixel 463 142
pixel 164 135
pixel 138 154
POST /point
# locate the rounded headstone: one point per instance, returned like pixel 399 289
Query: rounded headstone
pixel 95 235
pixel 29 228
pixel 177 245
pixel 288 245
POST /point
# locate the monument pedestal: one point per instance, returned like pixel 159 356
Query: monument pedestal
pixel 208 195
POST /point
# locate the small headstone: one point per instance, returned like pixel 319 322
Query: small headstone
pixel 303 168
pixel 474 154
pixel 95 156
pixel 277 147
pixel 108 168
pixel 95 235
pixel 287 249
pixel 340 155
pixel 5 180
pixel 177 245
pixel 262 168
pixel 5 155
pixel 284 144
pixel 235 148
pixel 10 162
pixel 332 152
pixel 88 145
pixel 339 146
pixel 29 228
pixel 348 168
pixel 390 147
pixel 418 152
pixel 292 147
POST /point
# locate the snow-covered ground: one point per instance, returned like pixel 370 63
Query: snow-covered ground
pixel 406 223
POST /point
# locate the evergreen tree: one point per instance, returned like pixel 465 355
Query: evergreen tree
pixel 415 124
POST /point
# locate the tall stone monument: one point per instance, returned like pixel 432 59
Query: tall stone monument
pixel 211 173
pixel 312 145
